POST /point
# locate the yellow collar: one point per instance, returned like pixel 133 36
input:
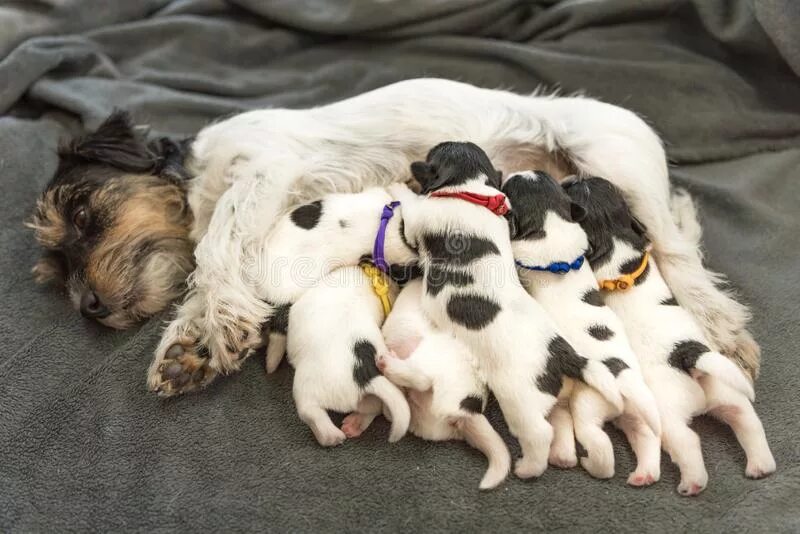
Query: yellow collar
pixel 379 285
pixel 626 281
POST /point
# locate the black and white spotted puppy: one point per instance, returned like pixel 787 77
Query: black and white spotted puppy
pixel 446 392
pixel 549 248
pixel 472 291
pixel 312 240
pixel 334 337
pixel 685 375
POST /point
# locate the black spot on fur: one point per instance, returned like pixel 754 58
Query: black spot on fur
pixel 437 278
pixel 669 302
pixel 685 354
pixel 307 216
pixel 344 224
pixel 472 403
pixel 562 361
pixel 279 322
pixel 403 274
pixel 630 267
pixel 457 249
pixel 615 365
pixel 593 297
pixel 600 332
pixel 472 311
pixel 364 369
pixel 580 450
pixel 453 163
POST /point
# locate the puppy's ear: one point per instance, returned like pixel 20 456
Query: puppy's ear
pixel 171 155
pixel 513 226
pixel 496 179
pixel 577 212
pixel 638 227
pixel 425 174
pixel 117 142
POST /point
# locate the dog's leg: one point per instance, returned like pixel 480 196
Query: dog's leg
pixel 589 411
pixel 354 424
pixel 683 446
pixel 562 450
pixel 276 348
pixel 318 420
pixel 522 411
pixel 646 446
pixel 614 143
pixel 403 372
pixel 734 409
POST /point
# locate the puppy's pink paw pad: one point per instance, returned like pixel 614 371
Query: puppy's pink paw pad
pixel 351 426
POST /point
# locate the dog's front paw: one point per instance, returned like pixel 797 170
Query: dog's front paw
pixel 643 477
pixel 183 367
pixel 692 485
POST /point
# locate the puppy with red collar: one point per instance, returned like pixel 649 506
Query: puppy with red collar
pixel 685 375
pixel 472 291
pixel 549 247
pixel 445 389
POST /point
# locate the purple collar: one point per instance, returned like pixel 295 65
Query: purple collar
pixel 378 257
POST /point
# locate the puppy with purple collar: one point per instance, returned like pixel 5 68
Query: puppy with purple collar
pixel 472 291
pixel 549 247
pixel 686 376
pixel 445 390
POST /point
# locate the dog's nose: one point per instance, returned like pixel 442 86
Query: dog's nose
pixel 92 307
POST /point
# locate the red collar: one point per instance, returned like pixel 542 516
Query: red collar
pixel 494 203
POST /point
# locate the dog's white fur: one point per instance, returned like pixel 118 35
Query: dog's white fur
pixel 440 372
pixel 252 167
pixel 512 349
pixel 325 324
pixel 584 409
pixel 717 387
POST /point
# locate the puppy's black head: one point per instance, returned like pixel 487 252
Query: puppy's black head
pixel 532 195
pixel 452 163
pixel 114 223
pixel 607 216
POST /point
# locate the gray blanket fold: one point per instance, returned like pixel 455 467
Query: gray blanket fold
pixel 83 445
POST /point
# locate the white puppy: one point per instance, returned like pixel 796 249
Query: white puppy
pixel 549 249
pixel 333 340
pixel 472 290
pixel 446 393
pixel 686 377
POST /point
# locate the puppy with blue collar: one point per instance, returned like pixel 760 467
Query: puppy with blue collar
pixel 445 390
pixel 549 247
pixel 472 291
pixel 686 375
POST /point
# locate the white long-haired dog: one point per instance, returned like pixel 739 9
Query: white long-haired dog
pixel 446 392
pixel 687 377
pixel 550 248
pixel 472 291
pixel 252 167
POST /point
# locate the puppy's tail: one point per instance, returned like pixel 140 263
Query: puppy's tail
pixel 479 433
pixel 597 375
pixel 393 399
pixel 639 398
pixel 722 368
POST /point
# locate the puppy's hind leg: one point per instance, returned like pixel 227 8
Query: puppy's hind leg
pixel 646 446
pixel 276 348
pixel 734 409
pixel 562 450
pixel 683 446
pixel 524 414
pixel 318 420
pixel 357 422
pixel 589 412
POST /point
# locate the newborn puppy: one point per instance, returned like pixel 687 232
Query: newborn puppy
pixel 446 394
pixel 472 291
pixel 549 248
pixel 333 339
pixel 685 375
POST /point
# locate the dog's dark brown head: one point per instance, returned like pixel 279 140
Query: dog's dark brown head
pixel 607 216
pixel 114 224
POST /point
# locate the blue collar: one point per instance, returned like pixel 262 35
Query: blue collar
pixel 557 267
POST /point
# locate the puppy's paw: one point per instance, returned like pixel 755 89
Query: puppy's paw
pixel 385 361
pixel 527 467
pixel 330 437
pixel 760 468
pixel 643 477
pixel 353 425
pixel 691 486
pixel 599 466
pixel 563 458
pixel 183 368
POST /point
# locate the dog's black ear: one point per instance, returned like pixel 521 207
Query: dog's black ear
pixel 171 155
pixel 577 212
pixel 496 179
pixel 426 175
pixel 638 227
pixel 117 143
pixel 513 226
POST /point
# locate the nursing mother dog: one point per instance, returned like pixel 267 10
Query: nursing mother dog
pixel 124 222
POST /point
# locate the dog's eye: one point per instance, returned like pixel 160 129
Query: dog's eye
pixel 80 218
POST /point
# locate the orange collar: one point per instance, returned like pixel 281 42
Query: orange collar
pixel 626 281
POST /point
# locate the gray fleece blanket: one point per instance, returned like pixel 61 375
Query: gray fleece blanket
pixel 84 446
